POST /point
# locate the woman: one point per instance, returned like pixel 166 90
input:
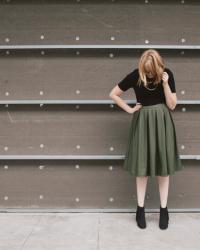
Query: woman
pixel 152 145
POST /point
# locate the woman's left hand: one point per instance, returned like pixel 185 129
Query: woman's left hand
pixel 165 77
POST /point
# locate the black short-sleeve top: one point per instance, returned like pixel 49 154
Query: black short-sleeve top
pixel 154 94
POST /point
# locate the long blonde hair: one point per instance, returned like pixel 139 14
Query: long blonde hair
pixel 150 61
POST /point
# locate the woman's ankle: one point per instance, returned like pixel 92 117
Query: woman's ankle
pixel 165 206
pixel 140 205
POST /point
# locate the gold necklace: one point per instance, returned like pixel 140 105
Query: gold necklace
pixel 150 89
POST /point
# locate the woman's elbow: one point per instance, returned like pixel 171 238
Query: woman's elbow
pixel 111 95
pixel 172 106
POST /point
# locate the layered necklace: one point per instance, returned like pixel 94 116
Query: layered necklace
pixel 149 88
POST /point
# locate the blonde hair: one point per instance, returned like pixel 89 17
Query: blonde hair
pixel 150 61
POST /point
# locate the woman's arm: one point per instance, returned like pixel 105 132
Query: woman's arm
pixel 171 98
pixel 115 96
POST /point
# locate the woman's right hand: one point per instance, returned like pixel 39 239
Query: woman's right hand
pixel 135 108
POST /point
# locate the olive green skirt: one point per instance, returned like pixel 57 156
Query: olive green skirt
pixel 152 143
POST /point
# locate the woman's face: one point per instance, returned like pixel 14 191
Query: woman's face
pixel 149 74
pixel 147 70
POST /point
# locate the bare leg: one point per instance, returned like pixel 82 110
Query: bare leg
pixel 163 182
pixel 141 184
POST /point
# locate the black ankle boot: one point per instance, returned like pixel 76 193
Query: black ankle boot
pixel 140 217
pixel 164 218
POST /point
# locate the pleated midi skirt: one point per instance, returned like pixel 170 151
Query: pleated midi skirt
pixel 152 143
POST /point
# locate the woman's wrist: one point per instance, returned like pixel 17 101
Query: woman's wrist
pixel 165 83
pixel 131 110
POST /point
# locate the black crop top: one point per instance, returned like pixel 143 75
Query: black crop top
pixel 143 95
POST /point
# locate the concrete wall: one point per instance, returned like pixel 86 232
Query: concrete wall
pixel 43 145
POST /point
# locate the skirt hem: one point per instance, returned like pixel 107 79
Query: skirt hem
pixel 154 175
